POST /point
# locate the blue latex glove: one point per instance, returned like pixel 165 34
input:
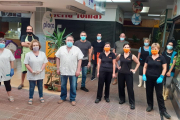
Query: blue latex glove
pixel 144 77
pixel 12 72
pixel 160 79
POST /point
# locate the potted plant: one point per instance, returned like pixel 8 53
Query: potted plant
pixel 178 58
pixel 55 41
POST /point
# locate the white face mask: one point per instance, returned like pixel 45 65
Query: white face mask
pixel 36 48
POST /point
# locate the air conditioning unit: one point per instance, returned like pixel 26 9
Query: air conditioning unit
pixel 75 9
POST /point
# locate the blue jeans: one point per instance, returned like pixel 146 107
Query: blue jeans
pixel 73 81
pixel 84 73
pixel 32 84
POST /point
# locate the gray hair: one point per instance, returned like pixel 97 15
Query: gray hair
pixel 2 39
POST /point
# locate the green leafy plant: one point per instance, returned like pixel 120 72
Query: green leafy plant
pixel 55 41
pixel 158 37
pixel 178 56
pixel 134 38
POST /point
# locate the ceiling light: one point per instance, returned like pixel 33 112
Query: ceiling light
pixel 75 9
pixel 121 0
pixel 15 11
pixel 65 13
pixel 153 14
pixel 145 10
pixel 21 3
pixel 118 0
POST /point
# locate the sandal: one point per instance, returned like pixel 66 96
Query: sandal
pixel 11 99
pixel 20 87
pixel 41 100
pixel 30 102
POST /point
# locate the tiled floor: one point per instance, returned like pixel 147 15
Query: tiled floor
pixel 85 109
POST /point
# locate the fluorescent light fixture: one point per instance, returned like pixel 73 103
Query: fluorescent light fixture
pixel 65 13
pixel 121 0
pixel 21 3
pixel 153 14
pixel 145 10
pixel 118 0
pixel 75 9
pixel 15 11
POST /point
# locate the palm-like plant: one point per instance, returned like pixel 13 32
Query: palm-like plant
pixel 55 41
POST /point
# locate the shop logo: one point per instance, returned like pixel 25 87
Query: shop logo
pixel 48 23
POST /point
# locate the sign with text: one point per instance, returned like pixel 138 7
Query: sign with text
pixel 48 23
pixel 97 5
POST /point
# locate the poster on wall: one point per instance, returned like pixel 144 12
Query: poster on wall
pixel 48 23
pixel 97 5
pixel 176 9
pixel 136 19
pixel 137 7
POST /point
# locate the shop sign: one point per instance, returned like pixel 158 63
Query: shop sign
pixel 136 19
pixel 78 16
pixel 137 7
pixel 48 23
pixel 97 5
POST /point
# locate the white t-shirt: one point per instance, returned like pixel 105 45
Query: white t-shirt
pixel 35 63
pixel 5 67
pixel 69 60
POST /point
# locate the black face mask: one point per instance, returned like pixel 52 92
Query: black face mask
pixel 29 33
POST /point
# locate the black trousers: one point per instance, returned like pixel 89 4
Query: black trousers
pixel 7 85
pixel 150 84
pixel 128 78
pixel 94 70
pixel 104 77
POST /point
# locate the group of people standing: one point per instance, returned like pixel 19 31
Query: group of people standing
pixel 154 69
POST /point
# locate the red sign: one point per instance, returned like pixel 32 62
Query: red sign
pixel 78 16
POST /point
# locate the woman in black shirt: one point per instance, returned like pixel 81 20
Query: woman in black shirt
pixel 125 74
pixel 169 55
pixel 105 72
pixel 153 73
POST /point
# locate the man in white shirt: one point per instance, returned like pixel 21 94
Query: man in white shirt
pixel 68 61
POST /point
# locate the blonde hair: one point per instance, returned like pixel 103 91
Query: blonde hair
pixel 147 39
pixel 31 44
pixel 155 45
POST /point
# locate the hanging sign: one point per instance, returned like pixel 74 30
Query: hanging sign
pixel 137 7
pixel 136 19
pixel 48 23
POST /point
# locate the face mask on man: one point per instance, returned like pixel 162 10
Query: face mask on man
pixel 107 49
pixel 69 44
pixel 29 33
pixel 122 39
pixel 36 48
pixel 98 38
pixel 2 45
pixel 83 38
pixel 169 47
pixel 146 44
pixel 154 52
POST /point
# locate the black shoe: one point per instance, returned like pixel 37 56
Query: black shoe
pixel 97 100
pixel 121 101
pixel 149 108
pixel 93 78
pixel 165 114
pixel 85 89
pixel 132 106
pixel 107 99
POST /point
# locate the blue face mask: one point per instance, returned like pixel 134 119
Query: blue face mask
pixel 122 39
pixel 146 44
pixel 69 44
pixel 83 38
pixel 98 38
pixel 169 47
pixel 2 45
